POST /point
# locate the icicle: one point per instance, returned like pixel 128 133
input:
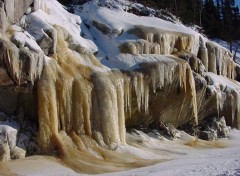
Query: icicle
pixel 237 108
pixel 204 57
pixel 141 86
pixel 146 96
pixel 127 94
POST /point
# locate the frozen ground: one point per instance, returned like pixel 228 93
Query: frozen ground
pixel 184 157
pixel 201 161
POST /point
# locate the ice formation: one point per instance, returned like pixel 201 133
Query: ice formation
pixel 85 102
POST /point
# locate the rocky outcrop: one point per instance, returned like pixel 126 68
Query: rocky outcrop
pixel 19 66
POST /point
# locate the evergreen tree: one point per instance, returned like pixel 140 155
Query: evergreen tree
pixel 210 19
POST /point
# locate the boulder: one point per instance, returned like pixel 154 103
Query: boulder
pixel 212 128
pixel 9 134
pixel 207 135
pixel 8 139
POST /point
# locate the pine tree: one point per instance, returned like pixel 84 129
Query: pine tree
pixel 210 19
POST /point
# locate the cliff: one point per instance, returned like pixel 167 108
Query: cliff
pixel 90 76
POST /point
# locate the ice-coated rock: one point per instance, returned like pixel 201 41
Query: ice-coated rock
pixel 31 65
pixel 3 18
pixel 20 65
pixel 15 9
pixel 8 140
pixel 18 153
pixel 4 152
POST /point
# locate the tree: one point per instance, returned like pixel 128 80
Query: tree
pixel 211 19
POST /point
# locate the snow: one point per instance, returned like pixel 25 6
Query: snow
pixel 24 38
pixel 223 81
pixel 59 16
pixel 55 14
pixel 38 166
pixel 188 161
pixel 131 62
pixel 118 21
pixel 122 20
pixel 177 158
pixel 227 46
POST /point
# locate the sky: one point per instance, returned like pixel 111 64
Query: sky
pixel 237 2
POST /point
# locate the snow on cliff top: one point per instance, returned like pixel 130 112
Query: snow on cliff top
pixel 113 16
pixel 120 19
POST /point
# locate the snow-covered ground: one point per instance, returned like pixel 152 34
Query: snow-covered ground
pixel 222 159
pixel 181 157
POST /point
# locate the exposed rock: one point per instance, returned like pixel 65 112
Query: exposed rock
pixel 166 130
pixel 207 135
pixel 48 42
pixel 160 130
pixel 105 29
pixel 212 128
